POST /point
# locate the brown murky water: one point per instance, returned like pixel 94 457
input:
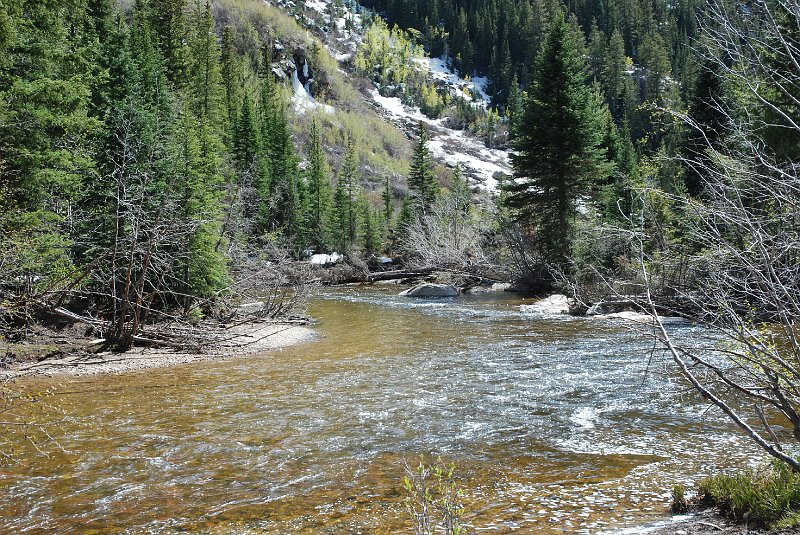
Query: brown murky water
pixel 556 425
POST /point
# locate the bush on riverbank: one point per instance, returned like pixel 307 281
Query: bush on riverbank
pixel 769 496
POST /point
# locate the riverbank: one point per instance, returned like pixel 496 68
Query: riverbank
pixel 242 340
pixel 705 522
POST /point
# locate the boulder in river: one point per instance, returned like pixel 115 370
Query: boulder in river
pixel 553 305
pixel 428 289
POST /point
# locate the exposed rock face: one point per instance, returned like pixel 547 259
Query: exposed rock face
pixel 553 305
pixel 431 290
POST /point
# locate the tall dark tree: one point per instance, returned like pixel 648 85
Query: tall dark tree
pixel 168 21
pixel 559 145
pixel 319 191
pixel 421 179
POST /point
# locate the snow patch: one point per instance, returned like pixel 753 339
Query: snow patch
pixel 473 90
pixel 453 147
pixel 326 259
pixel 317 5
pixel 302 99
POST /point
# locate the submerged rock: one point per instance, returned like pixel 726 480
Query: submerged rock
pixel 555 304
pixel 431 290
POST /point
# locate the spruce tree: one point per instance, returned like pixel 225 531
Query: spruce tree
pixel 245 137
pixel 168 21
pixel 229 68
pixel 351 182
pixel 319 190
pixel 386 197
pixel 370 236
pixel 339 221
pixel 421 180
pixel 514 108
pixel 559 144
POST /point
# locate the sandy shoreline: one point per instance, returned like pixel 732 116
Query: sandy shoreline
pixel 244 340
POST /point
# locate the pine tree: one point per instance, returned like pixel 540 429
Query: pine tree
pixel 704 108
pixel 351 180
pixel 370 237
pixel 559 145
pixel 339 222
pixel 405 219
pixel 388 207
pixel 168 21
pixel 459 192
pixel 514 108
pixel 614 79
pixel 319 190
pixel 280 202
pixel 45 133
pixel 245 137
pixel 206 89
pixel 421 180
pixel 230 74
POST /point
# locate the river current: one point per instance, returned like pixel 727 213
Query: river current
pixel 556 425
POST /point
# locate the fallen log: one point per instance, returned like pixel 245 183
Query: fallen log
pixel 399 274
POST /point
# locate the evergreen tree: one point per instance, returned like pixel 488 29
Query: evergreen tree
pixel 514 108
pixel 168 21
pixel 45 133
pixel 405 218
pixel 280 202
pixel 206 89
pixel 421 179
pixel 370 237
pixel 350 179
pixel 388 207
pixel 245 138
pixel 704 108
pixel 339 220
pixel 230 75
pixel 459 192
pixel 614 80
pixel 559 145
pixel 319 191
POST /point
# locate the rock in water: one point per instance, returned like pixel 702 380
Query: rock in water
pixel 431 290
pixel 555 304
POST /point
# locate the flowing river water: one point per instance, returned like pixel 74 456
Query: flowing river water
pixel 556 425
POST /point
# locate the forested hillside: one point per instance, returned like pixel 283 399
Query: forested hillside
pixel 151 149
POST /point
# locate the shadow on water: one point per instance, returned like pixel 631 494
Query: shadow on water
pixel 556 424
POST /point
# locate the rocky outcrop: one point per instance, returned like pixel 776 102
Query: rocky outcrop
pixel 431 290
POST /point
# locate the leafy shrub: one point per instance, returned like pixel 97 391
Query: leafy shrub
pixel 433 499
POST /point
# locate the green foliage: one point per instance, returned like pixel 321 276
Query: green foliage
pixel 319 193
pixel 767 497
pixel 679 503
pixel 388 56
pixel 560 148
pixel 433 499
pixel 421 179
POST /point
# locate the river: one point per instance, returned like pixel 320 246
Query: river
pixel 556 425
